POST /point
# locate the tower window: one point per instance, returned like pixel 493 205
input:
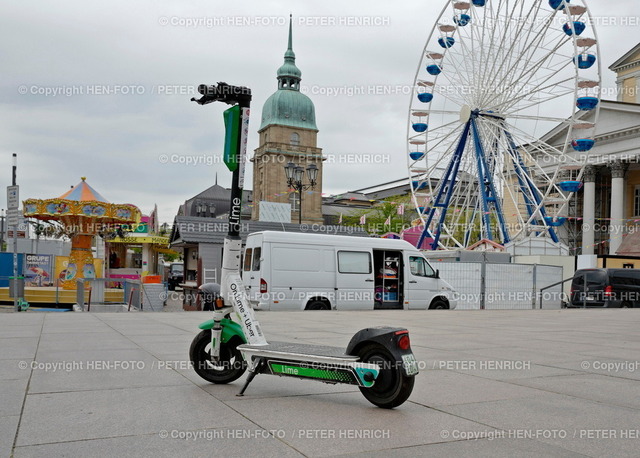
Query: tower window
pixel 295 139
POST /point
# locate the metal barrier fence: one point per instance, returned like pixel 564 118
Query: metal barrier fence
pixel 481 285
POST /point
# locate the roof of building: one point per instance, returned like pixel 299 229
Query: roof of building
pixel 188 230
pixel 288 106
pixel 623 60
pixel 630 245
pixel 217 195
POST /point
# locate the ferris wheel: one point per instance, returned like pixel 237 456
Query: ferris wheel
pixel 502 117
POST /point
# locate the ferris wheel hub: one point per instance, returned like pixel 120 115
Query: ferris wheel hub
pixel 465 114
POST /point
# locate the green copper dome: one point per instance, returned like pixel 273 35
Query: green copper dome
pixel 288 106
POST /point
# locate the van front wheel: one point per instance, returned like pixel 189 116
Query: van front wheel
pixel 439 304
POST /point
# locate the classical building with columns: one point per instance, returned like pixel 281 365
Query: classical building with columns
pixel 608 206
pixel 288 133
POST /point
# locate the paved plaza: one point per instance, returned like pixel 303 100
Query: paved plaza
pixel 493 383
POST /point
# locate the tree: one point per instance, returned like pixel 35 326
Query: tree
pixel 377 216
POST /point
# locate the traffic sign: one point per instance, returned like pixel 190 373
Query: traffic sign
pixel 13 217
pixel 13 197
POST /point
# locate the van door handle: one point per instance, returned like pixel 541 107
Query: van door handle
pixel 368 279
pixel 253 278
pixel 413 281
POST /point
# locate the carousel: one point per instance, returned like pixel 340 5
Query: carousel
pixel 81 213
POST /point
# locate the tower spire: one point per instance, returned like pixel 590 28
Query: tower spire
pixel 290 53
pixel 289 75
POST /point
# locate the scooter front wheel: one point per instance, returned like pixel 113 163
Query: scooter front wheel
pixel 392 387
pixel 228 368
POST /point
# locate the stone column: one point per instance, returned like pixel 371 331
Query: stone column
pixel 589 210
pixel 616 228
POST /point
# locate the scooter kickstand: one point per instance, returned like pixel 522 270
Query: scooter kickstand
pixel 253 371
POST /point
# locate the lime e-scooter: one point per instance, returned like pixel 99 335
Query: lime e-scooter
pixel 378 360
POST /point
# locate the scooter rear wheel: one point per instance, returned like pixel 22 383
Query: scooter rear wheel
pixel 230 366
pixel 392 387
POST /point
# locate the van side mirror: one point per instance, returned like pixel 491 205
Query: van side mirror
pixel 437 273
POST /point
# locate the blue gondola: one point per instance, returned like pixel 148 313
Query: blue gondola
pixel 416 155
pixel 556 221
pixel 479 2
pixel 462 19
pixel 423 210
pixel 583 144
pixel 416 185
pixel 587 103
pixel 558 4
pixel 570 186
pixel 434 69
pixel 419 127
pixel 425 97
pixel 446 42
pixel 578 26
pixel 585 61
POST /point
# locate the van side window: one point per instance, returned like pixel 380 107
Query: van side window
pixel 247 259
pixel 256 258
pixel 419 267
pixel 354 262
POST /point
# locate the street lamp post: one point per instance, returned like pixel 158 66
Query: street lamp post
pixel 295 174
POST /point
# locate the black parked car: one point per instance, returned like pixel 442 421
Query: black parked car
pixel 176 275
pixel 606 288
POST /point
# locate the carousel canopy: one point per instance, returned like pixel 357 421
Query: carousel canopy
pixel 81 202
pixel 84 192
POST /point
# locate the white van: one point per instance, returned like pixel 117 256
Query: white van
pixel 294 271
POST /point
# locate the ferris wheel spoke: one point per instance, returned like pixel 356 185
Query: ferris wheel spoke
pixel 505 54
pixel 526 60
pixel 514 51
pixel 447 112
pixel 536 118
pixel 530 94
pixel 530 71
pixel 488 36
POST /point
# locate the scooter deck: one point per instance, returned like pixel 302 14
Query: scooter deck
pixel 299 352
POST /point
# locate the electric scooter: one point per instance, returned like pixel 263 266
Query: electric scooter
pixel 378 360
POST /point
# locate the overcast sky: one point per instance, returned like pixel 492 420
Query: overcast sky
pixel 102 89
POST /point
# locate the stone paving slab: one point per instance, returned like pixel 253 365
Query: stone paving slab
pixel 563 421
pixel 221 442
pixel 82 415
pixel 464 398
pixel 494 448
pixel 8 427
pixel 95 370
pixel 333 424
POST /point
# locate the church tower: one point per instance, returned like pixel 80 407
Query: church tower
pixel 288 133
